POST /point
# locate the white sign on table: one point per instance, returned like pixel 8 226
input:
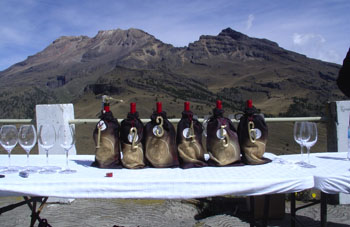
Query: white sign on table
pixel 55 114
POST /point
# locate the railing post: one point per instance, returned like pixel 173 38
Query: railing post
pixel 337 141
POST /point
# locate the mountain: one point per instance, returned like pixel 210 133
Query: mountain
pixel 135 66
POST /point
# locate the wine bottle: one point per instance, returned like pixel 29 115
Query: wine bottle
pixel 252 133
pixel 222 140
pixel 189 140
pixel 160 144
pixel 131 136
pixel 106 137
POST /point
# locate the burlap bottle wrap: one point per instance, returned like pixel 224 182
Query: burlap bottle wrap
pixel 252 132
pixel 160 147
pixel 106 138
pixel 131 139
pixel 222 140
pixel 107 153
pixel 189 140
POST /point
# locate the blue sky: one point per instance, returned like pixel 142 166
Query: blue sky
pixel 317 28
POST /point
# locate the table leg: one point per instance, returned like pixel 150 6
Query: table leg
pixel 35 212
pixel 12 206
pixel 252 211
pixel 33 216
pixel 266 209
pixel 323 209
pixel 292 209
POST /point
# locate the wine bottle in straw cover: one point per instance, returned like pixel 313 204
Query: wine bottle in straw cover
pixel 189 140
pixel 106 137
pixel 222 139
pixel 252 133
pixel 160 144
pixel 131 137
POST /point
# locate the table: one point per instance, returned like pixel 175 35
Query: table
pixel 152 183
pixel 330 176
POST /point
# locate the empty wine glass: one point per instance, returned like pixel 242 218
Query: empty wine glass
pixel 27 140
pixel 46 140
pixel 301 136
pixel 8 140
pixel 2 167
pixel 312 132
pixel 66 137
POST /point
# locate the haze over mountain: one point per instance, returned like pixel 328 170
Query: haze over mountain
pixel 135 66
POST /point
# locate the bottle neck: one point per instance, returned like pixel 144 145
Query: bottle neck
pixel 106 108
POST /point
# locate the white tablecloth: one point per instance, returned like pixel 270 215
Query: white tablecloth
pixel 332 172
pixel 176 183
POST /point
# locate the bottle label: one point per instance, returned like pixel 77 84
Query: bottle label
pixel 258 133
pixel 220 135
pixel 157 129
pixel 186 133
pixel 102 125
pixel 131 137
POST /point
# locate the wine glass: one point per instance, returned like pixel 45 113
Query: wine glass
pixel 47 139
pixel 312 131
pixel 2 167
pixel 66 137
pixel 27 140
pixel 301 135
pixel 8 140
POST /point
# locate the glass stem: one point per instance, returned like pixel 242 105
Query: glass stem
pixel 308 155
pixel 67 166
pixel 9 155
pixel 301 152
pixel 47 157
pixel 27 158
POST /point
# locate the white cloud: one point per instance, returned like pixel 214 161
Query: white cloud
pixel 249 22
pixel 315 46
pixel 303 39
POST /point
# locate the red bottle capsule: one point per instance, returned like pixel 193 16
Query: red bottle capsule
pixel 249 103
pixel 219 104
pixel 187 106
pixel 159 107
pixel 132 107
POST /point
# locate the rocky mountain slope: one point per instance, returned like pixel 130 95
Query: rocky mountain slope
pixel 135 66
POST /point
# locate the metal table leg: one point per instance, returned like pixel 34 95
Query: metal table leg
pixel 266 209
pixel 323 209
pixel 292 209
pixel 32 203
pixel 252 211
